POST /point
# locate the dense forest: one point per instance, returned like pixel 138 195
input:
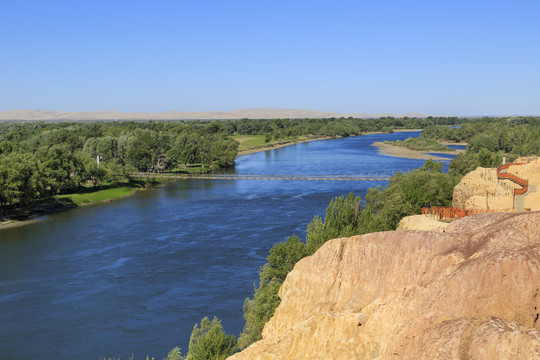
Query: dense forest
pixel 41 160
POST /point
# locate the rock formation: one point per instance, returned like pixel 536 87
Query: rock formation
pixel 421 222
pixel 470 292
pixel 480 189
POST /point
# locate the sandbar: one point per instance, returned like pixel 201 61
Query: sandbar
pixel 398 151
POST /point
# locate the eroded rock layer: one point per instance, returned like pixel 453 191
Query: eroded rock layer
pixel 470 292
pixel 480 189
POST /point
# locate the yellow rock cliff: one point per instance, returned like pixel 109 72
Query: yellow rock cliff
pixel 470 292
pixel 480 189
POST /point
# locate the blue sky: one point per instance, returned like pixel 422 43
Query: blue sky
pixel 434 57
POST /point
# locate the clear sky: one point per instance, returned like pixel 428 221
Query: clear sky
pixel 448 57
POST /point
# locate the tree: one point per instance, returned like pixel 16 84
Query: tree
pixel 142 150
pixel 431 165
pixel 209 342
pixel 8 187
pixel 282 258
pixel 258 311
pixel 61 168
pixel 95 173
pixel 483 140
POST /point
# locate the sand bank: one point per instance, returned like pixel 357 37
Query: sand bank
pixel 387 149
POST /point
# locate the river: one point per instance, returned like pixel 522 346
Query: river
pixel 134 275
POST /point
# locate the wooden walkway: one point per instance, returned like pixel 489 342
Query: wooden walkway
pixel 358 177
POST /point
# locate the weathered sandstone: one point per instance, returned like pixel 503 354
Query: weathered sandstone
pixel 470 292
pixel 480 189
pixel 421 222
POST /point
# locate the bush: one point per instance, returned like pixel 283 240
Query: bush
pixel 209 342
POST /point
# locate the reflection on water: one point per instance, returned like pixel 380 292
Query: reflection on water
pixel 135 275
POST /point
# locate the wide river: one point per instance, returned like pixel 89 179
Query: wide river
pixel 134 275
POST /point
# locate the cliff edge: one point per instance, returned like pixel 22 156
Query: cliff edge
pixel 470 292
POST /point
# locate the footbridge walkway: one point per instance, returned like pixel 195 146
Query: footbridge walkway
pixel 380 176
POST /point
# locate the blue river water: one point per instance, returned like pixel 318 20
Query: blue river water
pixel 134 275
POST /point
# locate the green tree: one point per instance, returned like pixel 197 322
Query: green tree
pixel 174 354
pixel 9 189
pixel 257 311
pixel 209 342
pixel 61 168
pixel 142 150
pixel 95 173
pixel 29 179
pixel 282 258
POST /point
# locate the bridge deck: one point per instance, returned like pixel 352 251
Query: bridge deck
pixel 359 177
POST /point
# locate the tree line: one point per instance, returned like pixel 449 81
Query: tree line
pixel 488 141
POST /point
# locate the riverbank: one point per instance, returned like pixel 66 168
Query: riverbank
pixel 391 150
pixel 85 197
pixel 282 144
pixel 10 222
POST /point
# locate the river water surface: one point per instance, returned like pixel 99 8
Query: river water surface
pixel 134 275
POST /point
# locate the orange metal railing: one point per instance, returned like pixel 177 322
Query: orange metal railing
pixel 505 175
pixel 447 213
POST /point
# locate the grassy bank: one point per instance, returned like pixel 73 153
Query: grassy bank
pixel 257 143
pixel 94 194
pixel 85 195
pixel 251 141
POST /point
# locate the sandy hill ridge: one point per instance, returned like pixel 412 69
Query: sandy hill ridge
pixel 40 115
pixel 470 292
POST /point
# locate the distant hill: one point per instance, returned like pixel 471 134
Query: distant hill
pixel 40 115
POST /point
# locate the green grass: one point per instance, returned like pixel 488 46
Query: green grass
pixel 94 195
pixel 250 141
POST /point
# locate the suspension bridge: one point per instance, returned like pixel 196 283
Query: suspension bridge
pixel 375 176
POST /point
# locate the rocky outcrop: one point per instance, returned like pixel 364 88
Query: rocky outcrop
pixel 470 292
pixel 421 222
pixel 480 189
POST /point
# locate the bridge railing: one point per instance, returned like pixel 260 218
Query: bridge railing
pixel 371 176
pixel 519 181
pixel 447 213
